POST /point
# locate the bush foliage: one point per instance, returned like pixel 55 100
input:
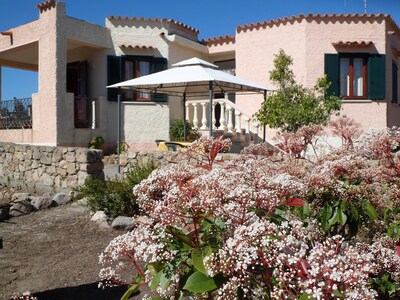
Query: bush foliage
pixel 292 106
pixel 115 196
pixel 269 224
pixel 176 130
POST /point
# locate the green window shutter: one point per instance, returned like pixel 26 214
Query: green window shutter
pixel 394 82
pixel 159 64
pixel 114 75
pixel 332 72
pixel 376 76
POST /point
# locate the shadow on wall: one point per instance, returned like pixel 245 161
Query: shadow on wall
pixel 84 292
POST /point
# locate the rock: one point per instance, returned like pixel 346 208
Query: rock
pixel 75 206
pixel 21 208
pixel 19 197
pixel 99 216
pixel 123 223
pixel 83 202
pixel 4 212
pixel 42 202
pixel 61 198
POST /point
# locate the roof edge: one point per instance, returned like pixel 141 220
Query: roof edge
pixel 311 16
pixel 142 19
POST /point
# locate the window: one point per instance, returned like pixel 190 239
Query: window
pixel 356 76
pixel 133 68
pixel 127 67
pixel 353 77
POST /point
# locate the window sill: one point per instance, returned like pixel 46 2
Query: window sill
pixel 356 101
pixel 140 103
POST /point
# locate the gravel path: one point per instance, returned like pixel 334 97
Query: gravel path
pixel 54 254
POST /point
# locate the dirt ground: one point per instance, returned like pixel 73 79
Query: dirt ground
pixel 53 254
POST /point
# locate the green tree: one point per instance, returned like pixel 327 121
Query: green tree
pixel 292 105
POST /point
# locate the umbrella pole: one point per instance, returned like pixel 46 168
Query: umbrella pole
pixel 265 127
pixel 119 132
pixel 184 118
pixel 211 107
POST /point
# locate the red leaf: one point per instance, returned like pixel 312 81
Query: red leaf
pixel 303 267
pixel 294 202
pixel 398 250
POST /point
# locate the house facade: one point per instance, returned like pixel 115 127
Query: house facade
pixel 76 60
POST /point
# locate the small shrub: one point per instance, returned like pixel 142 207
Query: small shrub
pixel 176 130
pixel 115 197
pixel 96 142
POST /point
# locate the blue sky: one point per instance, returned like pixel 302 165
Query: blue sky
pixel 211 17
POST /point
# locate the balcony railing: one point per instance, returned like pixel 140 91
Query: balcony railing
pixel 85 112
pixel 16 113
pixel 230 118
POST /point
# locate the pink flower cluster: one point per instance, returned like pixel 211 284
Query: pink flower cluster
pixel 265 248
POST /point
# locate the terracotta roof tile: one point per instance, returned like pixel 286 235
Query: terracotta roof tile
pixel 226 39
pixel 353 43
pixel 180 24
pixel 310 17
pixel 46 5
pixel 136 46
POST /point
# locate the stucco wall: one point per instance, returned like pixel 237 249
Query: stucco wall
pixel 143 123
pixel 306 41
pixel 45 168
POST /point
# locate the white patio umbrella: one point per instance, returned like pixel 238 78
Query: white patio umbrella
pixel 192 78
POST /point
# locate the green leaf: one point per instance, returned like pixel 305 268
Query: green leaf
pixel 394 230
pixel 155 267
pixel 342 217
pixel 304 296
pixel 198 256
pixel 164 280
pixel 325 215
pixel 334 219
pixel 370 210
pixel 337 293
pixel 155 281
pixel 200 283
pixel 132 289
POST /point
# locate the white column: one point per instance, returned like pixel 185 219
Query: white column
pixel 204 116
pixel 247 128
pixel 238 123
pixel 213 113
pixel 256 126
pixel 187 111
pixel 230 119
pixel 222 119
pixel 195 116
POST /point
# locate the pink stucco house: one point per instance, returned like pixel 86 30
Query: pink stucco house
pixel 76 60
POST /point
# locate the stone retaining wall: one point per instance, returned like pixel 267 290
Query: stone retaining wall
pixel 43 168
pixel 162 157
pixel 127 160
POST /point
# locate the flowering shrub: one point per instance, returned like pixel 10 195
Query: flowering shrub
pixel 262 227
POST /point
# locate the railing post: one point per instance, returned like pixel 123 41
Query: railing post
pixel 187 111
pixel 195 116
pixel 238 123
pixel 247 129
pixel 222 119
pixel 213 113
pixel 204 116
pixel 230 118
pixel 256 126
